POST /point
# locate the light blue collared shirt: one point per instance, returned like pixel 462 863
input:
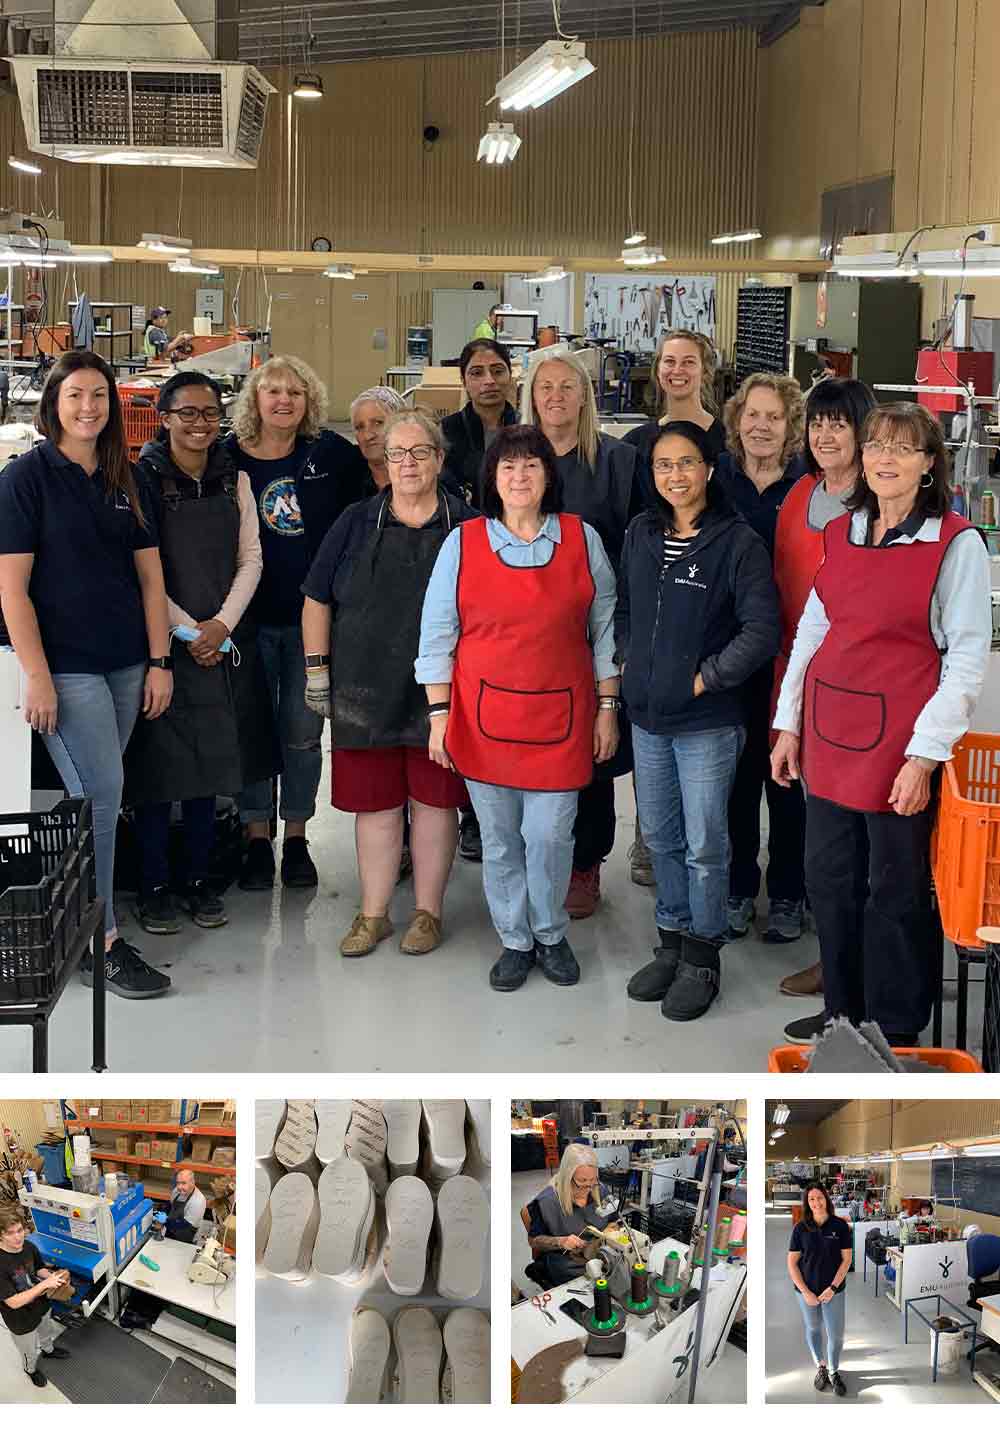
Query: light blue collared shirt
pixel 440 629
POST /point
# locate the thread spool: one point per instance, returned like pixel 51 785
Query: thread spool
pixel 723 1229
pixel 602 1300
pixel 671 1269
pixel 640 1284
pixel 738 1230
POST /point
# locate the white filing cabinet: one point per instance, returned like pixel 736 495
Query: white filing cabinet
pixel 15 739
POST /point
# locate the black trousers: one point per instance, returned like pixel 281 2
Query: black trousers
pixel 786 809
pixel 594 830
pixel 869 884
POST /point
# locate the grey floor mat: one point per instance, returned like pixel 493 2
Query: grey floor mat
pixel 187 1385
pixel 108 1367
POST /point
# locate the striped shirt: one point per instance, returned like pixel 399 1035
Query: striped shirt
pixel 673 548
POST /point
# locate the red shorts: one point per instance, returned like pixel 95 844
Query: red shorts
pixel 372 780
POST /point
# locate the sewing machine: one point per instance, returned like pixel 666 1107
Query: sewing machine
pixel 619 1246
pixel 210 1265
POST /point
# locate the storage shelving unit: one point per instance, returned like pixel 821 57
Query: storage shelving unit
pixel 112 309
pixel 763 314
pixel 179 1129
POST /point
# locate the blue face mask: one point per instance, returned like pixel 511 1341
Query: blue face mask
pixel 189 635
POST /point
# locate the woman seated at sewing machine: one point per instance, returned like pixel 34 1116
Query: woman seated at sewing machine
pixel 568 1215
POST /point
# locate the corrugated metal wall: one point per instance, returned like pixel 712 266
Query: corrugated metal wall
pixel 27 1119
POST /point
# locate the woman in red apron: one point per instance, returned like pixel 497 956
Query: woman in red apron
pixel 888 661
pixel 517 652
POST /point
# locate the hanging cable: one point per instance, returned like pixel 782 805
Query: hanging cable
pixel 557 17
pixel 631 128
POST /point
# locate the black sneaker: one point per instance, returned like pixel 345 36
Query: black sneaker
pixel 56 1354
pixel 125 973
pixel 156 912
pixel 822 1382
pixel 257 870
pixel 297 868
pixel 558 963
pixel 837 1382
pixel 205 906
pixel 470 842
pixel 696 984
pixel 805 1030
pixel 37 1378
pixel 652 982
pixel 510 971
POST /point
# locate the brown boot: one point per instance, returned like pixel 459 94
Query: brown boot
pixel 807 983
pixel 584 891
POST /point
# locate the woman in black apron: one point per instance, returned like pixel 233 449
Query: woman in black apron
pixel 219 734
pixel 367 584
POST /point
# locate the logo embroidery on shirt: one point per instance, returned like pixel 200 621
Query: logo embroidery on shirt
pixel 279 509
pixel 692 570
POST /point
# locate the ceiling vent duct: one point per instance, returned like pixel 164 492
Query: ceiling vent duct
pixel 160 99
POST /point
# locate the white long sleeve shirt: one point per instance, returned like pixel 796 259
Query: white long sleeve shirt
pixel 961 624
pixel 249 566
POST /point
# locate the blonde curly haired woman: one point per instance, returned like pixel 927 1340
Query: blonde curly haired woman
pixel 572 1201
pixel 303 476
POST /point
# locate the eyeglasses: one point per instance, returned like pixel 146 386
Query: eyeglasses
pixel 582 1186
pixel 189 413
pixel 418 452
pixel 877 448
pixel 683 466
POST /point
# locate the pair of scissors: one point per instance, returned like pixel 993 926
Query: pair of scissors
pixel 540 1302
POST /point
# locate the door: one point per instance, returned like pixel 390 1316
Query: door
pixel 364 322
pixel 301 320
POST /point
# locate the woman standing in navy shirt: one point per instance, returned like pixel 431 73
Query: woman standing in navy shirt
pixel 819 1258
pixel 83 599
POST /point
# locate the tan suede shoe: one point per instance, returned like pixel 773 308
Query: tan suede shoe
pixel 806 983
pixel 422 935
pixel 365 935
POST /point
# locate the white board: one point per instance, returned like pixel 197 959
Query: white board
pixel 634 310
pixel 210 302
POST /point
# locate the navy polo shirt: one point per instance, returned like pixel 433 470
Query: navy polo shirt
pixel 821 1248
pixel 84 584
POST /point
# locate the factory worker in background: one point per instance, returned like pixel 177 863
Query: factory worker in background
pixel 187 1207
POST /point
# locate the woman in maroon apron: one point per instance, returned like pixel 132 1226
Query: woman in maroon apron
pixel 516 637
pixel 888 662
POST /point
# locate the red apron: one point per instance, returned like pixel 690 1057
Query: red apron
pixel 875 669
pixel 798 553
pixel 523 694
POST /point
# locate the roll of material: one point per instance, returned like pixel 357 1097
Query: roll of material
pixel 723 1231
pixel 595 1269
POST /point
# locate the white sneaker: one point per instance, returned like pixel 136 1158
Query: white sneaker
pixel 409 1214
pixel 347 1210
pixel 479 1122
pixel 417 1339
pixel 369 1353
pixel 463 1224
pixel 268 1117
pixel 366 1142
pixel 445 1119
pixel 402 1120
pixel 467 1349
pixel 297 1139
pixel 294 1223
pixel 332 1119
pixel 262 1210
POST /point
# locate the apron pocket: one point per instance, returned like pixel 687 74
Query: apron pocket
pixel 848 718
pixel 511 715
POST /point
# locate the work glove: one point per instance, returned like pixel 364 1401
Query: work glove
pixel 318 693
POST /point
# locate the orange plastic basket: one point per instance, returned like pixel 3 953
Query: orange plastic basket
pixel 142 423
pixel 949 1059
pixel 965 848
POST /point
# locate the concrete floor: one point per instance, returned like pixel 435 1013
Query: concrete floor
pixel 877 1367
pixel 270 991
pixel 725 1382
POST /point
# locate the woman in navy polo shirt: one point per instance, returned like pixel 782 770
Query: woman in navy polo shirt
pixel 819 1258
pixel 84 602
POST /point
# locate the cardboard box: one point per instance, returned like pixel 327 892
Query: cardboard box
pixel 87 1109
pixel 117 1111
pixel 163 1151
pixel 211 1114
pixel 140 1112
pixel 163 1111
pixel 439 399
pixel 142 1149
pixel 201 1149
pixel 124 1144
pixel 224 1157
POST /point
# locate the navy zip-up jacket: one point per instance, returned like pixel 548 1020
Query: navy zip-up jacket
pixel 713 612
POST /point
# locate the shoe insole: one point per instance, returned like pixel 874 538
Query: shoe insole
pixel 297 1138
pixel 463 1215
pixel 268 1117
pixel 346 1212
pixel 332 1119
pixel 409 1214
pixel 445 1119
pixel 367 1129
pixel 262 1209
pixel 417 1338
pixel 402 1120
pixel 467 1344
pixel 369 1354
pixel 294 1221
pixel 479 1119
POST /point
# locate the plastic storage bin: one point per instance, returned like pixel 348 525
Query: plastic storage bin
pixel 965 848
pixel 39 919
pixel 949 1059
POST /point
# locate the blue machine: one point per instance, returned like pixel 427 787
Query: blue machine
pixel 91 1237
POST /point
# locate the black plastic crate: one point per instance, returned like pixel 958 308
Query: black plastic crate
pixel 39 921
pixel 991 1012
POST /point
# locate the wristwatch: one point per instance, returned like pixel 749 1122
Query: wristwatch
pixel 166 662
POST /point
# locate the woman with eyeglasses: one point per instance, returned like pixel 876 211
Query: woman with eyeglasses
pixel 888 662
pixel 360 626
pixel 697 616
pixel 558 1217
pixel 218 734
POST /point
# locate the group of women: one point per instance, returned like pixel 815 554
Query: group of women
pixel 499 620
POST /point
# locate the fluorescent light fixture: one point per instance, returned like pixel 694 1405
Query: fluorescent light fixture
pixel 938 1153
pixel 165 244
pixel 308 86
pixel 778 1132
pixel 781 1114
pixel 26 249
pixel 737 237
pixel 772 1143
pixel 24 165
pixel 188 266
pixel 339 271
pixel 983 261
pixel 984 1149
pixel 637 238
pixel 642 254
pixel 549 275
pixel 499 145
pixel 550 70
pixel 879 264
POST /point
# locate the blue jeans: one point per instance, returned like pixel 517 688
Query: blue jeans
pixel 299 731
pixel 682 786
pixel 527 861
pixel 97 712
pixel 826 1319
